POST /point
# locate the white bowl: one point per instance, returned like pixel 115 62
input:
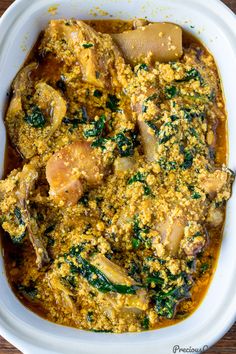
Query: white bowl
pixel 215 25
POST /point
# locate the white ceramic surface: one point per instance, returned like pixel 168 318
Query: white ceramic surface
pixel 216 26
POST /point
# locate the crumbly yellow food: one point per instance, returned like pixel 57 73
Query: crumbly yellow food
pixel 113 220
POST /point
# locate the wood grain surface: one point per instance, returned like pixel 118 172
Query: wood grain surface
pixel 227 345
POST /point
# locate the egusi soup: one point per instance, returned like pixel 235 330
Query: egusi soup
pixel 115 185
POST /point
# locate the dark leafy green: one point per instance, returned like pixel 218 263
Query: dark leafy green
pixel 125 144
pixel 47 233
pixel 170 91
pixel 173 117
pixel 143 66
pixel 153 126
pixel 188 160
pixel 100 142
pixel 167 165
pixel 70 281
pixel 90 316
pixel 97 93
pixel 81 117
pixel 84 199
pixel 140 177
pixel 18 216
pixel 35 118
pixel 29 291
pixel 98 128
pixel 150 98
pixel 61 84
pixel 145 323
pixel 196 195
pixel 87 45
pixel 154 278
pixel 166 302
pixel 204 267
pixel 113 103
pixel 190 114
pixel 95 277
pixel 192 74
pixel 18 239
pixel 138 233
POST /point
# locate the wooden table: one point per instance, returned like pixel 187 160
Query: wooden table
pixel 227 345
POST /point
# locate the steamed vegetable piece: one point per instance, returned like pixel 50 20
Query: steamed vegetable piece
pixel 161 41
pixel 67 169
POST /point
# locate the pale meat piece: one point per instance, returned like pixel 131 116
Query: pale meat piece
pixel 76 43
pixel 117 275
pixel 51 102
pixel 215 182
pixel 15 114
pixel 69 167
pixel 28 179
pixel 149 141
pixel 148 137
pixel 215 216
pixel 15 192
pixel 23 135
pixel 161 41
pixel 112 271
pixel 172 232
pixel 123 164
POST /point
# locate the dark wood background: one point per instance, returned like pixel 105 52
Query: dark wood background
pixel 227 345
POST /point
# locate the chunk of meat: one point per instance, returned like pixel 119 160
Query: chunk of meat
pixel 162 41
pixel 24 136
pixel 139 22
pixel 215 216
pixel 149 141
pixel 93 52
pixel 50 101
pixel 112 271
pixel 69 167
pixel 193 246
pixel 148 137
pixel 172 232
pixel 21 84
pixel 213 182
pixel 195 238
pixel 129 303
pixel 23 79
pixel 28 178
pixel 123 164
pixel 117 275
pixel 15 192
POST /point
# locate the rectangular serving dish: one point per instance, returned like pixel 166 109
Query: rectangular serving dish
pixel 215 25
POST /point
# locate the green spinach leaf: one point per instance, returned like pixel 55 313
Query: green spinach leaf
pixel 99 126
pixel 35 118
